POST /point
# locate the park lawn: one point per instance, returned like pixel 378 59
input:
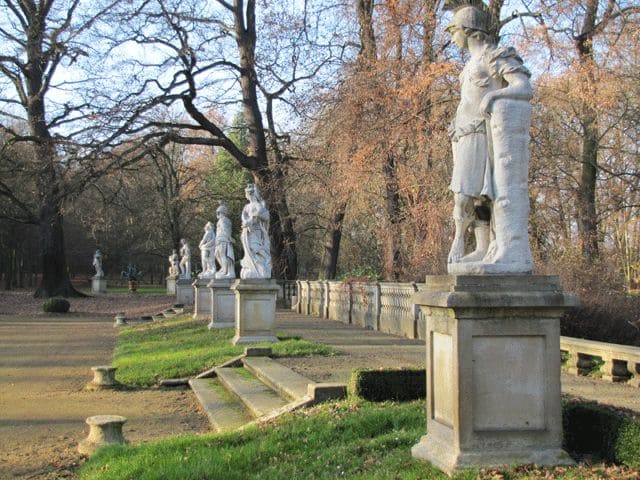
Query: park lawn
pixel 181 347
pixel 351 439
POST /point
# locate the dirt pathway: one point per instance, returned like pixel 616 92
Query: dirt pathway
pixel 45 362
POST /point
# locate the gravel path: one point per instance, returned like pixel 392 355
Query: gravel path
pixel 45 362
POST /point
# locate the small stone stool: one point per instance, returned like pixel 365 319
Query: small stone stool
pixel 104 377
pixel 103 430
pixel 121 319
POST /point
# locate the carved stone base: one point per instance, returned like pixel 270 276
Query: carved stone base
pixel 99 285
pixel 493 371
pixel 255 310
pixel 171 284
pixel 184 291
pixel 202 295
pixel 223 310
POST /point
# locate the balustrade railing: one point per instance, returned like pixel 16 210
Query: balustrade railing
pixel 388 307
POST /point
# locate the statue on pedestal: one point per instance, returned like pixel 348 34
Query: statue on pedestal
pixel 97 263
pixel 174 260
pixel 185 260
pixel 207 246
pixel 256 262
pixel 490 136
pixel 224 245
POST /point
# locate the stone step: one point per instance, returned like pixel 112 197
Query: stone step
pixel 223 409
pixel 257 397
pixel 282 379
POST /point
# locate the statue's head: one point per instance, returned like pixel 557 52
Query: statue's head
pixel 208 226
pixel 470 21
pixel 250 190
pixel 222 210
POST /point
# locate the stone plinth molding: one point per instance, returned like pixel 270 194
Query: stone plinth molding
pixel 255 310
pixel 493 371
pixel 99 285
pixel 184 292
pixel 223 309
pixel 202 295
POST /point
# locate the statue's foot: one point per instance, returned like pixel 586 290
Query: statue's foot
pixel 474 256
pixel 456 252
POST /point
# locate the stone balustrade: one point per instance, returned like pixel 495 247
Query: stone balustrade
pixel 616 363
pixel 388 307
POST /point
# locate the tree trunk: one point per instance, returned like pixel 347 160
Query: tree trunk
pixel 55 275
pixel 332 246
pixel 392 253
pixel 587 217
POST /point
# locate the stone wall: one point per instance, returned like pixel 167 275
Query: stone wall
pixel 398 314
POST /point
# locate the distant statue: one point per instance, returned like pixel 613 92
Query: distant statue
pixel 174 261
pixel 490 137
pixel 97 263
pixel 185 260
pixel 207 248
pixel 256 262
pixel 224 245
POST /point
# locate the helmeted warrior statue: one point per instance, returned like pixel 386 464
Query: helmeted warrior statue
pixel 490 136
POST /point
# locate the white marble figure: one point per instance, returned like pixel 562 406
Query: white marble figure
pixel 207 247
pixel 97 263
pixel 256 262
pixel 174 260
pixel 490 137
pixel 224 245
pixel 185 260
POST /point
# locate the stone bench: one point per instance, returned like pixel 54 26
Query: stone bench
pixel 103 430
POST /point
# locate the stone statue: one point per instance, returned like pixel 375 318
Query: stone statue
pixel 207 247
pixel 174 260
pixel 224 245
pixel 256 262
pixel 185 260
pixel 490 137
pixel 97 263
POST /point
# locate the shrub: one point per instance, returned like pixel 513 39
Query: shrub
pixel 596 430
pixel 56 305
pixel 394 384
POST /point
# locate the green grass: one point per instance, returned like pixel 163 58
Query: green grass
pixel 351 439
pixel 337 440
pixel 181 347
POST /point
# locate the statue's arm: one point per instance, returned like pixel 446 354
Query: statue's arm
pixel 518 88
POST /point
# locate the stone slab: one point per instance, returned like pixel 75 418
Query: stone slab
pixel 280 378
pixel 256 396
pixel 224 413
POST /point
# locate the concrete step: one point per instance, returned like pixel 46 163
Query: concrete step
pixel 257 397
pixel 223 409
pixel 282 379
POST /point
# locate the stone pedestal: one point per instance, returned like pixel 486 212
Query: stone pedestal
pixel 98 285
pixel 202 293
pixel 255 310
pixel 223 309
pixel 493 371
pixel 104 378
pixel 103 430
pixel 184 291
pixel 171 284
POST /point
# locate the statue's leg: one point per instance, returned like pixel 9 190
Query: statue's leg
pixel 462 218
